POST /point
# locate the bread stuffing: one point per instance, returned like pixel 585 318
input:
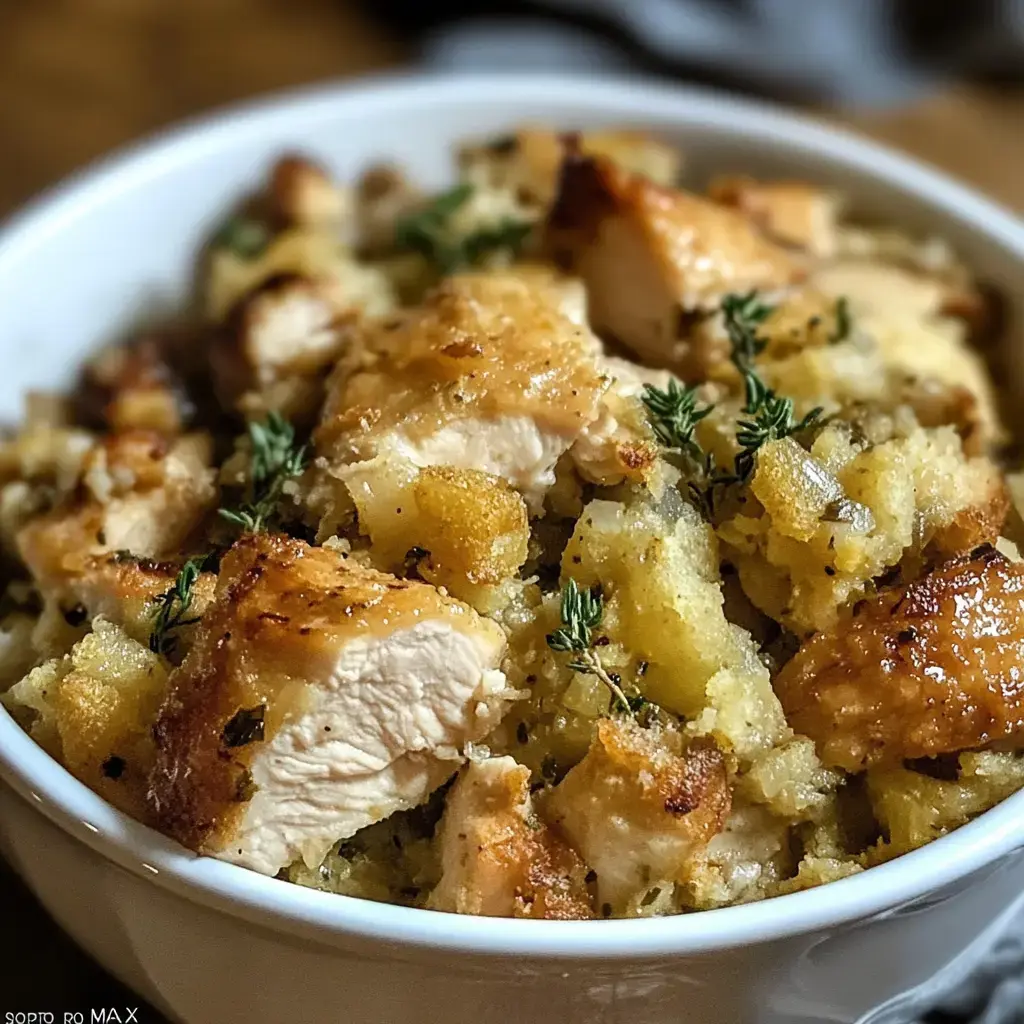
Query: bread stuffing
pixel 580 541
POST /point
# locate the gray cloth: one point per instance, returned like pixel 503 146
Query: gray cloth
pixel 994 992
pixel 862 52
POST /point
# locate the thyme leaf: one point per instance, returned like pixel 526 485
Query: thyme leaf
pixel 172 607
pixel 244 236
pixel 430 232
pixel 771 415
pixel 773 420
pixel 743 314
pixel 582 611
pixel 674 415
pixel 275 459
pixel 844 321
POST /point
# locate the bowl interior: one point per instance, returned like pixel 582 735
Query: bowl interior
pixel 115 248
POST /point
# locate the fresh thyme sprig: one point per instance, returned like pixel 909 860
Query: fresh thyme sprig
pixel 674 415
pixel 173 606
pixel 429 232
pixel 743 314
pixel 844 321
pixel 275 459
pixel 773 420
pixel 582 611
pixel 772 415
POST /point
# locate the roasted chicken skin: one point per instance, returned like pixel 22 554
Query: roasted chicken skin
pixel 930 668
pixel 318 698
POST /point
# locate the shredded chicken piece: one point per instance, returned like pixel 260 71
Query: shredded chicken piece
pixel 639 813
pixel 489 374
pixel 498 858
pixel 654 258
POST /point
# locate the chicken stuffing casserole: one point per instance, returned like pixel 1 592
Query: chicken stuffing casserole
pixel 567 545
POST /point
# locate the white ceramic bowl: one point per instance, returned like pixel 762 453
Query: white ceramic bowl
pixel 209 942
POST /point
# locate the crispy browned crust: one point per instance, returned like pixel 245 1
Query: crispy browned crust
pixel 57 546
pixel 793 213
pixel 123 589
pixel 636 458
pixel 480 345
pixel 930 668
pixel 681 228
pixel 280 606
pixel 302 192
pixel 233 372
pixel 554 887
pixel 694 785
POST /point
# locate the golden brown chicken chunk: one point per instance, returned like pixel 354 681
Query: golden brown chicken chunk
pixel 490 373
pixel 142 493
pixel 318 698
pixel 498 858
pixel 653 256
pixel 132 387
pixel 931 668
pixel 278 345
pixel 302 193
pixel 638 812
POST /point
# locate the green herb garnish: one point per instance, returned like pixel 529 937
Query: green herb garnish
pixel 506 234
pixel 245 237
pixel 743 314
pixel 773 420
pixel 582 611
pixel 429 232
pixel 772 414
pixel 844 321
pixel 275 459
pixel 173 607
pixel 674 415
pixel 246 726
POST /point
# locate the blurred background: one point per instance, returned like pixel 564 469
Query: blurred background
pixel 941 80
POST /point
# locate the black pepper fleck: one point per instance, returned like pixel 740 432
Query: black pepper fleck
pixel 76 615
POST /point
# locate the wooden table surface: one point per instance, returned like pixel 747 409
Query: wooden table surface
pixel 79 77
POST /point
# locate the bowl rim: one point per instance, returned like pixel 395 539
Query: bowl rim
pixel 74 808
